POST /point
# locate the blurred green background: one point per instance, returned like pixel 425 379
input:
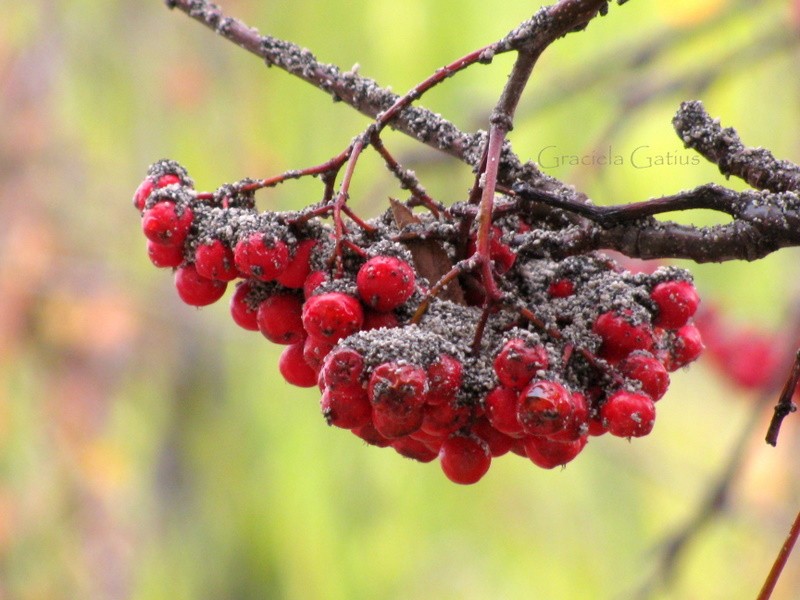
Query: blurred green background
pixel 149 450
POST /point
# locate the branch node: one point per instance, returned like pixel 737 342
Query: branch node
pixel 785 405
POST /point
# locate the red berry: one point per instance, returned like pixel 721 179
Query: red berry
pixel 499 443
pixel 649 371
pixel 414 449
pixel 561 288
pixel 279 319
pixel 544 408
pixel 332 316
pixel 168 179
pixel 444 379
pixel 294 368
pixel 502 256
pixel 343 366
pixel 196 290
pixel 243 313
pixel 627 414
pixel 548 453
pixel 518 447
pixel 315 350
pixel 596 426
pixel 165 224
pixel 142 193
pixel 677 302
pixel 261 257
pixel 313 281
pixel 214 260
pixel 378 320
pixel 346 407
pixel 298 268
pixel 620 337
pixel 687 348
pixel 434 442
pixel 385 282
pixel 397 393
pixel 577 425
pixel 518 362
pixel 443 419
pixel 398 384
pixel 394 422
pixel 146 188
pixel 164 256
pixel 369 434
pixel 501 410
pixel 465 460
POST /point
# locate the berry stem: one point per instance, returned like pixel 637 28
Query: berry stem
pixel 327 169
pixel 480 327
pixel 590 358
pixel 501 123
pixel 358 220
pixel 354 248
pixel 407 179
pixel 483 241
pixel 463 266
pixel 484 55
pixel 709 197
pixel 365 96
pixel 341 198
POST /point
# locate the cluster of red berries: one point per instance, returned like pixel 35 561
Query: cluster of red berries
pixel 575 348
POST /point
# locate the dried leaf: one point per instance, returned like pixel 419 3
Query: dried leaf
pixel 430 258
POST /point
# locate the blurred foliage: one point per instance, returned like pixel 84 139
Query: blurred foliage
pixel 149 450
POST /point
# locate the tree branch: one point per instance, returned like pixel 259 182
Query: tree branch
pixel 367 97
pixel 361 93
pixel 756 166
pixel 763 221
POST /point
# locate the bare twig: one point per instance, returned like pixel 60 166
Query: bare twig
pixel 785 405
pixel 780 561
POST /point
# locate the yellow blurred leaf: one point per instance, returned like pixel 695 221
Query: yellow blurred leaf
pixel 687 13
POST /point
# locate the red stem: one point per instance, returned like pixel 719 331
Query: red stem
pixel 460 267
pixel 339 204
pixel 331 167
pixel 407 179
pixel 483 242
pixel 433 80
pixel 780 561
